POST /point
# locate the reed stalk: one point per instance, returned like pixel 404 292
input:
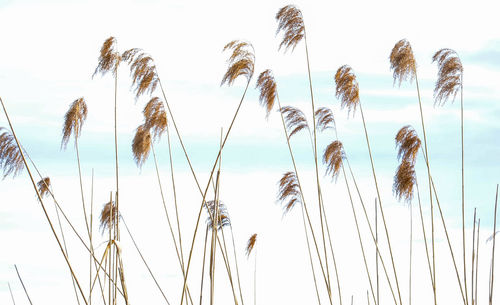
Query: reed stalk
pixel 473 257
pixel 492 277
pixel 22 283
pixel 144 261
pixel 41 201
pixel 11 295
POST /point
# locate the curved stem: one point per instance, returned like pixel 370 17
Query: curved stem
pixel 41 202
pixel 380 205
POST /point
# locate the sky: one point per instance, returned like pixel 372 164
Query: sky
pixel 50 50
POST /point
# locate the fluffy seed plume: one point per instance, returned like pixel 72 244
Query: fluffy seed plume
pixel 332 157
pixel 267 86
pixel 73 120
pixel 347 88
pixel 402 62
pixel 109 58
pixel 217 208
pixel 109 215
pixel 142 70
pixel 11 160
pixel 240 63
pixel 44 186
pixel 290 21
pixel 449 75
pixel 408 144
pixel 141 145
pixel 324 119
pixel 295 120
pixel 404 181
pixel 251 244
pixel 289 191
pixel 155 117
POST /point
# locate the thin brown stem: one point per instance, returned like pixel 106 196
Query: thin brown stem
pixel 493 250
pixel 144 261
pixel 430 192
pixel 380 205
pixel 41 201
pixel 22 283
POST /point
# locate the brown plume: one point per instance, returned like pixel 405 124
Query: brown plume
pixel 109 58
pixel 289 191
pixel 290 21
pixel 295 120
pixel 408 144
pixel 267 86
pixel 155 117
pixel 402 62
pixel 73 120
pixel 332 157
pixel 11 160
pixel 251 244
pixel 449 75
pixel 44 186
pixel 109 215
pixel 404 181
pixel 141 145
pixel 220 211
pixel 240 63
pixel 324 119
pixel 347 88
pixel 143 71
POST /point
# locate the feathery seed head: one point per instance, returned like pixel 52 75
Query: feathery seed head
pixel 289 191
pixel 73 120
pixel 295 120
pixel 408 144
pixel 240 63
pixel 218 210
pixel 449 75
pixel 141 145
pixel 324 119
pixel 268 93
pixel 347 88
pixel 109 216
pixel 402 62
pixel 11 160
pixel 290 21
pixel 143 71
pixel 332 157
pixel 404 181
pixel 155 117
pixel 251 244
pixel 44 186
pixel 109 58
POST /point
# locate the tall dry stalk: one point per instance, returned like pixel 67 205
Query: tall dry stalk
pixel 22 283
pixel 347 89
pixel 145 78
pixel 404 67
pixel 492 277
pixel 73 123
pixel 109 61
pixel 293 121
pixel 250 246
pixel 473 257
pixel 408 144
pixel 12 160
pixel 240 63
pixel 449 82
pixel 44 186
pixel 291 23
pixel 11 295
pixel 477 258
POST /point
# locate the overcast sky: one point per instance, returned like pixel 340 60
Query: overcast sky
pixel 49 52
